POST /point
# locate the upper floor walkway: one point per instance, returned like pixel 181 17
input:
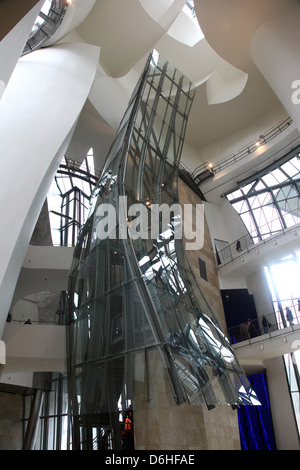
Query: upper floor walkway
pixel 40 347
pixel 243 249
pixel 254 343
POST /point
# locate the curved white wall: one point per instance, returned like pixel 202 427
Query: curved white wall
pixel 274 49
pixel 38 112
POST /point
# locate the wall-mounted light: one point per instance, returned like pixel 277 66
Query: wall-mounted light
pixel 260 141
pixel 262 346
pixel 210 166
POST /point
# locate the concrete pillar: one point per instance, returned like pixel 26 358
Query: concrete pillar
pixel 35 412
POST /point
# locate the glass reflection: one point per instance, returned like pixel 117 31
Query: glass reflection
pixel 129 296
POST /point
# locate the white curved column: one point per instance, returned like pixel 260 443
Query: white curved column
pixel 275 49
pixel 38 112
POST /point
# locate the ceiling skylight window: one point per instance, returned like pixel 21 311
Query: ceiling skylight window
pixel 179 22
pixel 271 202
pixel 186 28
pixel 189 9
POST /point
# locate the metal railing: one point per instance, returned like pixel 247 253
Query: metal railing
pixel 29 321
pixel 245 151
pixel 253 328
pixel 234 250
pixel 246 244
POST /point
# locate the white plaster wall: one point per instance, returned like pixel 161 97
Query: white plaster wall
pixel 34 348
pixel 286 434
pixel 275 51
pixel 38 113
pixel 233 143
pixel 258 286
pixel 224 222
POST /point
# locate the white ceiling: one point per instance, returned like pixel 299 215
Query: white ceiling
pixel 220 64
pixel 127 33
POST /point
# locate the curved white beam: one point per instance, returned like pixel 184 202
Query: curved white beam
pixel 38 112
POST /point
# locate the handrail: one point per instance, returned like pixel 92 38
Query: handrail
pixel 244 151
pixel 232 251
pixel 35 322
pixel 274 322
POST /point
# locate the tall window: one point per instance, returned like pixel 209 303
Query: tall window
pixel 284 283
pixel 270 202
pixel 69 198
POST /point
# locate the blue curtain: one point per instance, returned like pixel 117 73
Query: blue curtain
pixel 255 422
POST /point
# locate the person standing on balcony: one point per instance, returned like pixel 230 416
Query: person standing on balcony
pixel 289 316
pixel 238 246
pixel 266 324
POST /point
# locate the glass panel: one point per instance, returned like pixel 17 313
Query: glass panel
pixel 270 217
pixel 132 294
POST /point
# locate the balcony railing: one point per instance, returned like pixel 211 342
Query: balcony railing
pixel 245 151
pixel 245 244
pixel 253 328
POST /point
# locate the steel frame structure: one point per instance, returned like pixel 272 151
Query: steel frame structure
pixel 130 297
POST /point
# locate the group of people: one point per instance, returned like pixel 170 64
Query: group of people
pixel 248 329
pixel 289 318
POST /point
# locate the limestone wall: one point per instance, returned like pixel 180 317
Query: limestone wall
pixel 161 425
pixel 11 428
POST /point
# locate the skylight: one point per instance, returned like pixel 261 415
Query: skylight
pixel 270 203
pixel 189 10
pixel 186 28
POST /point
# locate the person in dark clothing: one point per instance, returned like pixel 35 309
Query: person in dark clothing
pixel 289 316
pixel 266 324
pixel 238 246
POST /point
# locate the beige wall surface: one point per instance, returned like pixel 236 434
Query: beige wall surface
pixel 158 423
pixel 11 428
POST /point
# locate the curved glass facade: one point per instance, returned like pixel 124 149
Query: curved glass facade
pixel 46 24
pixel 131 295
pixel 270 202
